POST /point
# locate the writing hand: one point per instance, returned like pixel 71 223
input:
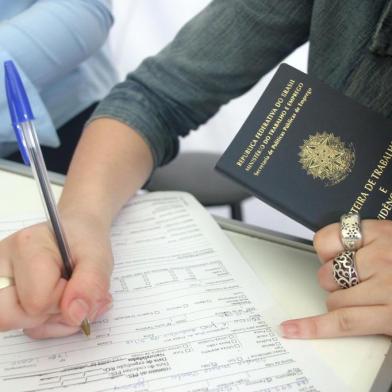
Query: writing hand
pixel 41 302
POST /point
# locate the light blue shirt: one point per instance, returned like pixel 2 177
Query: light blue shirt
pixel 58 45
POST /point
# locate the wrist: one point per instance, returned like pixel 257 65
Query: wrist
pixel 75 215
pixel 110 164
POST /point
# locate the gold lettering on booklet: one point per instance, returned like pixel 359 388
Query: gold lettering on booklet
pixel 274 127
pixel 371 185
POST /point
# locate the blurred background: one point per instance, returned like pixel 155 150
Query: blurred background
pixel 141 29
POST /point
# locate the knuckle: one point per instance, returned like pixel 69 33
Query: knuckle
pixel 385 226
pixel 29 236
pixel 388 284
pixel 331 302
pixel 389 314
pixel 313 328
pixel 23 237
pixel 345 321
pixel 323 276
pixel 384 281
pixel 35 305
pixel 326 278
pixel 324 234
pixel 383 254
pixel 318 241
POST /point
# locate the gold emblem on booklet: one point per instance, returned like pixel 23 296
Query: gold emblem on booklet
pixel 326 157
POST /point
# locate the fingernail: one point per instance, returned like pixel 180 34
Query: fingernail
pixel 78 311
pixel 289 330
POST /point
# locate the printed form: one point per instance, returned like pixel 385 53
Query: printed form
pixel 189 315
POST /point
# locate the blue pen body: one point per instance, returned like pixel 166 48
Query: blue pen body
pixel 22 122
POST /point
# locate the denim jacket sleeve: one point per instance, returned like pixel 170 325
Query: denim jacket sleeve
pixel 218 55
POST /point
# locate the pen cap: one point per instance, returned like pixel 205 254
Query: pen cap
pixel 19 105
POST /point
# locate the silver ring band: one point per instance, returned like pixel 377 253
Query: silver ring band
pixel 6 281
pixel 344 270
pixel 350 231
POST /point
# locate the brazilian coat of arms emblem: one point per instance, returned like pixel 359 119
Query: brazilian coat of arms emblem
pixel 326 157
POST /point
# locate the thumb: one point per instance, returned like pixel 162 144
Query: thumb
pixel 87 292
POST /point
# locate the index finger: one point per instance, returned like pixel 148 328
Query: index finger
pixel 351 321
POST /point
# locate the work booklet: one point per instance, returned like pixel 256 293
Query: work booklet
pixel 189 315
pixel 313 153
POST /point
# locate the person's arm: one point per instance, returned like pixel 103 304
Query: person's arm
pixel 177 90
pixel 104 173
pixel 218 55
pixel 52 37
pixel 138 124
pixel 47 41
pixel 110 164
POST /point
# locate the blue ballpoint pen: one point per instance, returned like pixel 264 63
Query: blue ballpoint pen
pixel 22 121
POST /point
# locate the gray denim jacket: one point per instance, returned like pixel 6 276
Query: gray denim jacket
pixel 231 44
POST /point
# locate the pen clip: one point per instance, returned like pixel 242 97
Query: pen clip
pixel 18 105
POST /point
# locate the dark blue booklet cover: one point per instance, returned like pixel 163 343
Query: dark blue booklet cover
pixel 313 153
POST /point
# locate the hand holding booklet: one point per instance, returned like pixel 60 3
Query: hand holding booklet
pixel 189 315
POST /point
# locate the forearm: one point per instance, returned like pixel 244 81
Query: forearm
pixel 110 164
pixel 215 57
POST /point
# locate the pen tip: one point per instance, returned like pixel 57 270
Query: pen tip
pixel 85 327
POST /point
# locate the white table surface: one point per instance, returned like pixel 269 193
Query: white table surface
pixel 289 273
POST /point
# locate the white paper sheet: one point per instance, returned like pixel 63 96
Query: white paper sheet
pixel 189 315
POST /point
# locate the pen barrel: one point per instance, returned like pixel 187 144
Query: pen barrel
pixel 40 174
